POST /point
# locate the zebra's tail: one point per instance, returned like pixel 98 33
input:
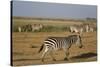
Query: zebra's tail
pixel 41 48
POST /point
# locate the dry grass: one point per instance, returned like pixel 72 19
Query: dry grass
pixel 26 46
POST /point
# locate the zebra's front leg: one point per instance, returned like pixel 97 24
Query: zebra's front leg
pixel 66 53
pixel 66 58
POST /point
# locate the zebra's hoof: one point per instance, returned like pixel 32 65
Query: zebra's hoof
pixel 42 60
pixel 54 59
pixel 65 58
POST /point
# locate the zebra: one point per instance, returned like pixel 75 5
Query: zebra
pixel 87 28
pixel 19 29
pixel 91 29
pixel 36 27
pixel 75 29
pixel 53 44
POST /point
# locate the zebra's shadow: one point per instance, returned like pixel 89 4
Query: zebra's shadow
pixel 84 56
pixel 81 56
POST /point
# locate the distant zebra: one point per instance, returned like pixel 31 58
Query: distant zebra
pixel 91 29
pixel 76 29
pixel 26 28
pixel 87 28
pixel 36 27
pixel 19 29
pixel 52 44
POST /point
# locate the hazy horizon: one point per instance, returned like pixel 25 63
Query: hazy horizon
pixel 53 10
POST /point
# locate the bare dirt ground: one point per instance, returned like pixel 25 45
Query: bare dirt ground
pixel 25 48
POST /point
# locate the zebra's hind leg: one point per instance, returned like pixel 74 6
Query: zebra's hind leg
pixel 44 53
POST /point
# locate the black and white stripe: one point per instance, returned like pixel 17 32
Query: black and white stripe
pixel 52 44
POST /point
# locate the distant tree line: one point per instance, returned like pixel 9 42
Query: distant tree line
pixel 91 19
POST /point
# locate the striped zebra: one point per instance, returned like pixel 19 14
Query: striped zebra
pixel 52 44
